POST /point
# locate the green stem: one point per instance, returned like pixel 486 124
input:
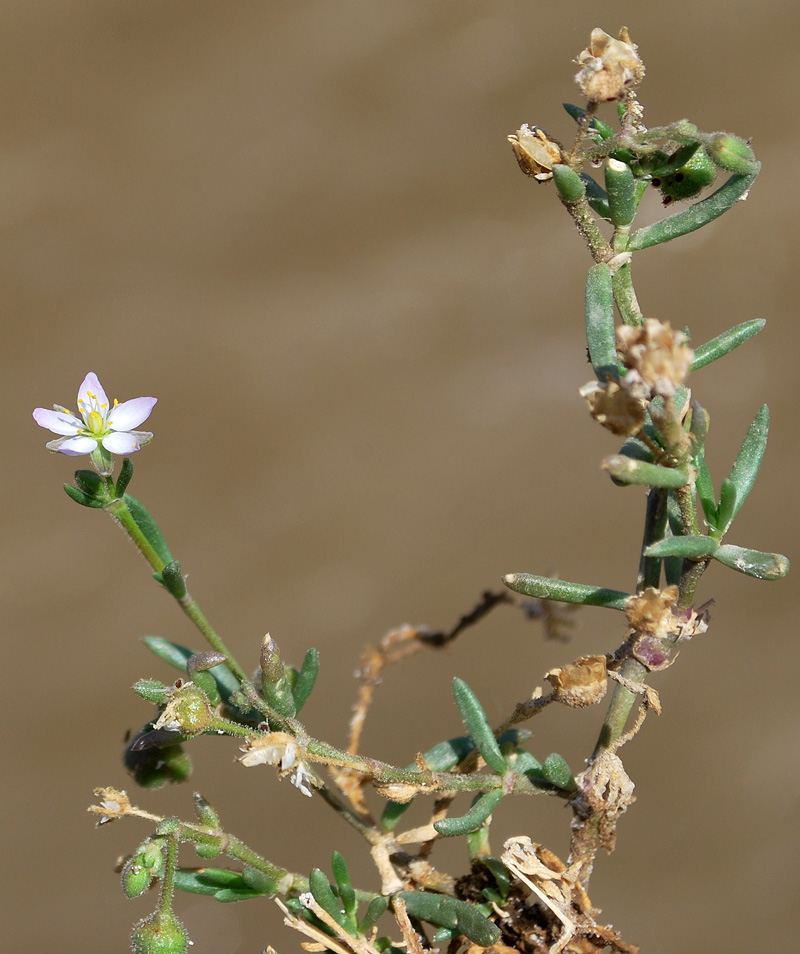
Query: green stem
pixel 196 615
pixel 625 297
pixel 119 512
pixel 619 708
pixel 167 885
pixel 587 225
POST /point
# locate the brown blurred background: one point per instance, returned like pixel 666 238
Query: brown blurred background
pixel 301 227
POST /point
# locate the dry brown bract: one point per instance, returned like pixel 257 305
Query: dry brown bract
pixel 535 153
pixel 609 67
pixel 558 889
pixel 581 683
pixel 661 357
pixel 619 409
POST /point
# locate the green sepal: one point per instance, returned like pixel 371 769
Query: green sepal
pixel 125 475
pixel 478 726
pixel 323 894
pixel 482 808
pixel 173 580
pixel 755 563
pixel 375 910
pixel 627 470
pixel 91 484
pixel 569 184
pixel 596 196
pixel 206 814
pixel 306 679
pixel 344 885
pixel 726 342
pixel 447 912
pixel 150 529
pixel 692 547
pixel 207 880
pixel 558 773
pixel 274 680
pixel 546 588
pixel 621 191
pixel 745 469
pixel 208 846
pixel 81 498
pixel 600 335
pixel 151 690
pixel 695 217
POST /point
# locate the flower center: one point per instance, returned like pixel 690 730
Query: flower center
pixel 94 415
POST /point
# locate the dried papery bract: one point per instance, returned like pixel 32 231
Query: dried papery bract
pixel 535 152
pixel 609 67
pixel 659 354
pixel 581 683
pixel 620 408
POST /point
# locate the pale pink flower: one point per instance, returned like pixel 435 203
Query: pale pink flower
pixel 98 422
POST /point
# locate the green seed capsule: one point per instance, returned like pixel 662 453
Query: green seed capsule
pixel 688 181
pixel 159 933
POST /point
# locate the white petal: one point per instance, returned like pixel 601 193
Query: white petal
pixel 57 421
pixel 75 446
pixel 120 442
pixel 91 383
pixel 130 414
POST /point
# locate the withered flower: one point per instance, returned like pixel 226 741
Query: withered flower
pixel 660 355
pixel 535 153
pixel 651 611
pixel 619 409
pixel 609 67
pixel 581 683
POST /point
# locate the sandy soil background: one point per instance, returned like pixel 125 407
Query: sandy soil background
pixel 301 227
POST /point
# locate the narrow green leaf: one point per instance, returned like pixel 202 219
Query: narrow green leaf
pixel 695 217
pixel 145 522
pixel 227 895
pixel 725 343
pixel 600 335
pixel 306 679
pixel 451 913
pixel 375 910
pixel 207 880
pixel 344 885
pixel 597 125
pixel 473 819
pixel 727 507
pixel 621 191
pixel 546 588
pixel 173 580
pixel 762 566
pixel 81 498
pixel 569 184
pixel 125 475
pixel 177 656
pixel 326 899
pixel 747 464
pixel 558 773
pixel 627 470
pixel 688 547
pixel 478 726
pixel 596 196
pixel 705 491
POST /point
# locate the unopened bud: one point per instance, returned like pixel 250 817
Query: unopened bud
pixel 732 154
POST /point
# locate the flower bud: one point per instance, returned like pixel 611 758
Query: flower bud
pixel 732 154
pixel 159 933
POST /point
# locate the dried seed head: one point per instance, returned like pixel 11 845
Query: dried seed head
pixel 609 67
pixel 581 683
pixel 619 409
pixel 535 153
pixel 650 612
pixel 661 356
